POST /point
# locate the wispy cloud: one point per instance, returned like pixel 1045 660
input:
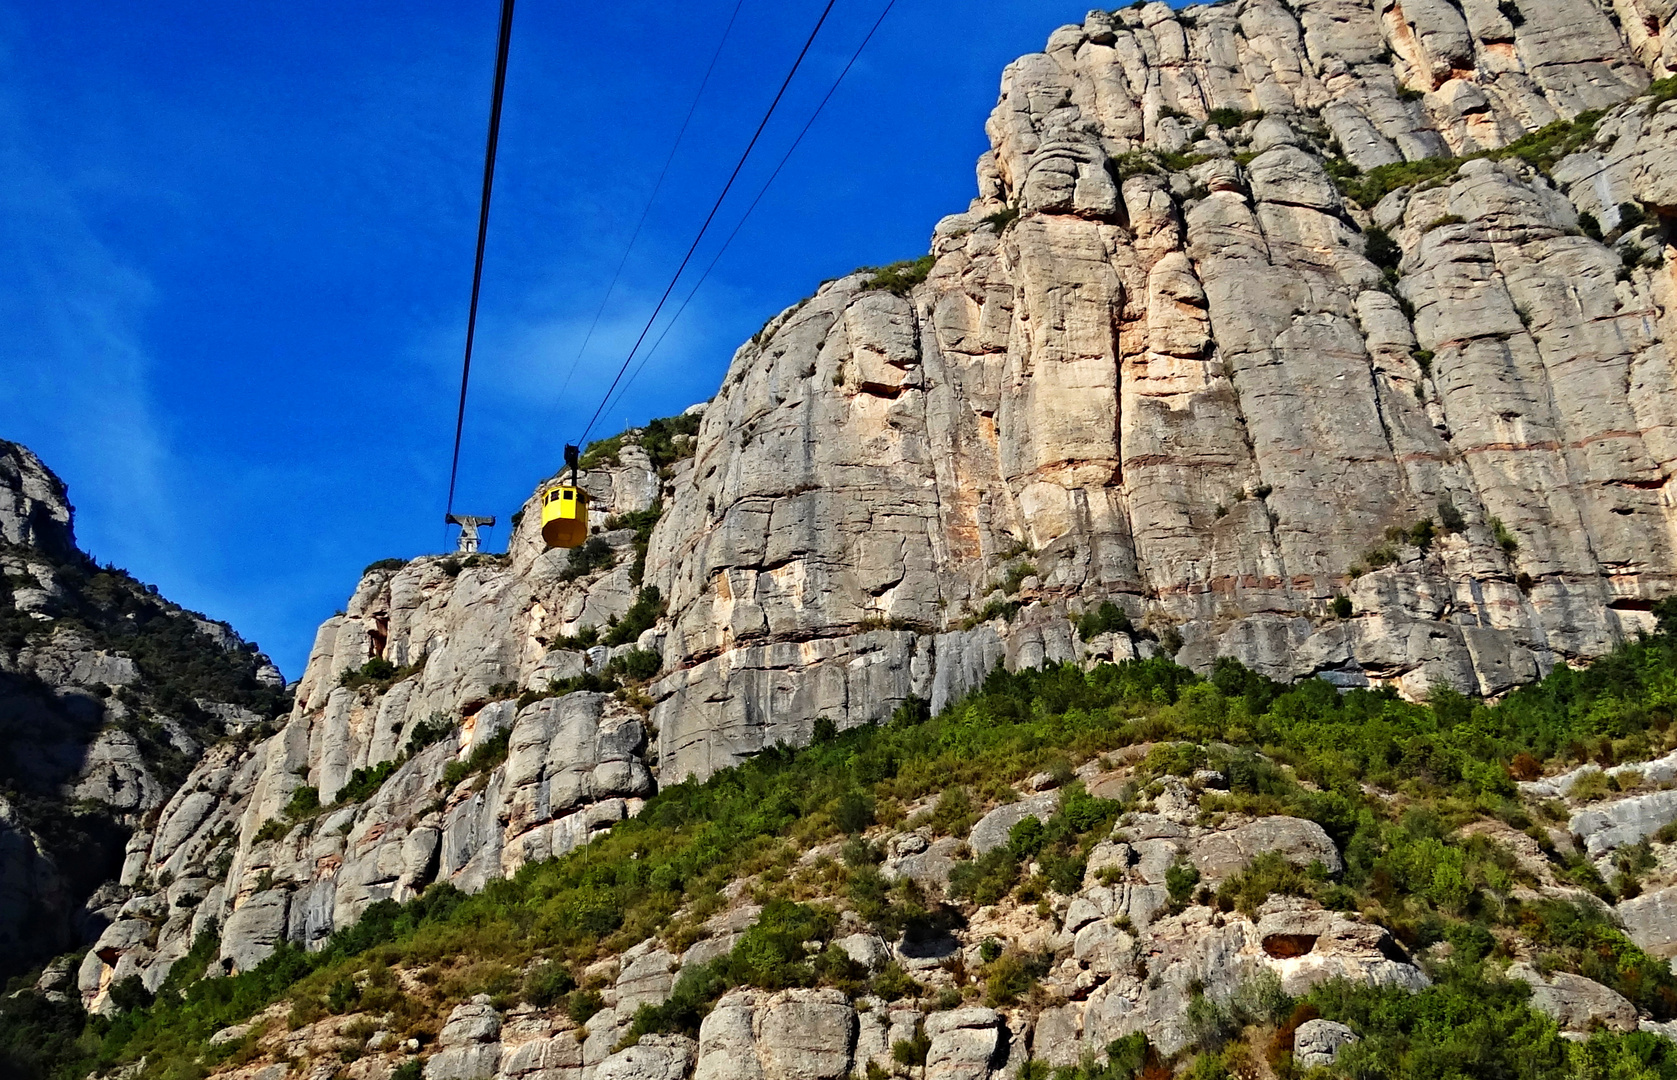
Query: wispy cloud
pixel 73 369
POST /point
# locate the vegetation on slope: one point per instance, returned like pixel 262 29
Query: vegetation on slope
pixel 1390 781
pixel 666 440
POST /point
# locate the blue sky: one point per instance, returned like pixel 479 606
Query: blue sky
pixel 236 241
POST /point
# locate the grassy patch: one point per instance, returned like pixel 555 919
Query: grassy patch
pixel 899 277
pixel 1540 149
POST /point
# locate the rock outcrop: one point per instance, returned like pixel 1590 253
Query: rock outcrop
pixel 107 695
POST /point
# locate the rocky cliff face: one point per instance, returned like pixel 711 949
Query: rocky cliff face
pixel 1166 385
pixel 428 742
pixel 1156 363
pixel 108 695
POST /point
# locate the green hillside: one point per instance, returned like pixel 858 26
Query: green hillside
pixel 1391 782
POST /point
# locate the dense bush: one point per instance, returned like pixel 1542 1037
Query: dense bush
pixel 594 554
pixel 637 665
pixel 642 614
pixel 484 757
pixel 1540 149
pixel 668 439
pixel 1108 618
pixel 642 522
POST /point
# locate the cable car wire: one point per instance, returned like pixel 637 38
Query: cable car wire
pixel 650 199
pixel 650 353
pixel 496 95
pixel 708 219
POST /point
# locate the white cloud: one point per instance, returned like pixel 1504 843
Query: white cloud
pixel 73 369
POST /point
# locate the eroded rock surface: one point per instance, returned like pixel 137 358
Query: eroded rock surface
pixel 1186 389
pixel 1155 364
pixel 108 695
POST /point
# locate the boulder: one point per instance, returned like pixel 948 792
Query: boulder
pixel 992 829
pixel 254 928
pixel 964 1044
pixel 1318 1042
pixel 1650 920
pixel 1576 1003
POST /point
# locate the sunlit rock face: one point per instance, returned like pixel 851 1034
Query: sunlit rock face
pixel 1177 382
pixel 1162 362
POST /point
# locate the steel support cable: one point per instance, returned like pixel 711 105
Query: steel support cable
pixel 650 199
pixel 482 233
pixel 662 300
pixel 650 353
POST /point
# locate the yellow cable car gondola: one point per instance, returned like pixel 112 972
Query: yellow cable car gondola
pixel 565 509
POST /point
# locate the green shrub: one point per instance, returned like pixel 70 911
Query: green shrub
pixel 668 439
pixel 547 983
pixel 899 277
pixel 1341 606
pixel 594 554
pixel 374 671
pixel 364 782
pixel 433 729
pixel 995 609
pixel 1180 880
pixel 601 452
pixel 378 674
pixel 272 829
pixel 642 521
pixel 1016 575
pixel 304 803
pixel 953 815
pixel 484 757
pixel 986 879
pixel 1001 219
pixel 853 811
pixel 770 954
pixel 1380 249
pixel 892 982
pixel 1505 539
pixel 1269 874
pixel 1232 118
pixel 636 665
pixel 647 609
pixel 1109 618
pixel 1012 976
pixel 581 1005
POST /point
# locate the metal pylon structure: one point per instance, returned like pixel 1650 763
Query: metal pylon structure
pixel 469 525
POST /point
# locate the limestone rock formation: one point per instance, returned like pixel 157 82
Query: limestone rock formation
pixel 456 761
pixel 1318 1042
pixel 108 693
pixel 1576 1003
pixel 1157 363
pixel 1191 376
